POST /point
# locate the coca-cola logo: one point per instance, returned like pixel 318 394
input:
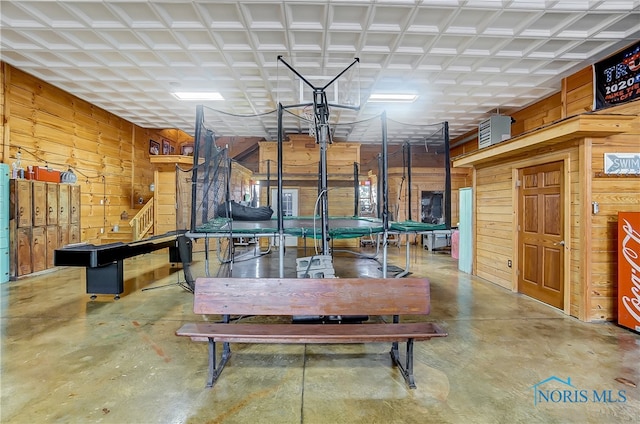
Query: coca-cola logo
pixel 631 254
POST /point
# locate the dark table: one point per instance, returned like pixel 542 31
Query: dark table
pixel 104 263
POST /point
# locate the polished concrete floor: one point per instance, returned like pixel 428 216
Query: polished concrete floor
pixel 507 359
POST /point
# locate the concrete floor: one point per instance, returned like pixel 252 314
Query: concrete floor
pixel 66 359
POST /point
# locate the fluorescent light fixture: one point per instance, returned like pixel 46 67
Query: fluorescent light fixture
pixel 198 95
pixel 384 97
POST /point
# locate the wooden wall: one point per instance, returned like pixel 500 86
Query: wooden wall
pixel 109 155
pixel 592 275
pixel 424 179
pixel 575 96
pixel 614 194
pixel 495 218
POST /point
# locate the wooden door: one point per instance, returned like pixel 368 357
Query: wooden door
pixel 21 202
pixel 38 249
pixel 540 233
pixel 23 251
pixel 63 235
pixel 63 204
pixel 39 203
pixel 52 204
pixel 74 204
pixel 52 244
pixel 74 234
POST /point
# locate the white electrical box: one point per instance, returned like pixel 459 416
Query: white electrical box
pixel 494 130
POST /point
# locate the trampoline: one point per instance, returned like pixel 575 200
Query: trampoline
pixel 412 227
pixel 306 227
pixel 212 174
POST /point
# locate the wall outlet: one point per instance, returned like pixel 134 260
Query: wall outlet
pixel 102 201
pixel 101 230
pixel 509 263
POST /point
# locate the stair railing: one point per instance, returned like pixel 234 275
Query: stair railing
pixel 143 221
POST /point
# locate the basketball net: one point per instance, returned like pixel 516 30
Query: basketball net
pixel 307 113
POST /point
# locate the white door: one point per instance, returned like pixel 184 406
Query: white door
pixel 289 208
pixel 465 258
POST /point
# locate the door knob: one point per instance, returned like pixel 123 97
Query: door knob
pixel 561 243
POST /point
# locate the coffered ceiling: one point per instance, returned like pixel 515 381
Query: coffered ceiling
pixel 466 59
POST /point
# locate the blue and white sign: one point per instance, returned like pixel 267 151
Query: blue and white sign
pixel 555 390
pixel 622 163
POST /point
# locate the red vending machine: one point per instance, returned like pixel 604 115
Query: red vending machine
pixel 629 270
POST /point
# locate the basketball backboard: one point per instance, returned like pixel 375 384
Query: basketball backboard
pixel 300 76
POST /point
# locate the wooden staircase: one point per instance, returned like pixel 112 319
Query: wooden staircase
pixel 126 231
pixel 124 234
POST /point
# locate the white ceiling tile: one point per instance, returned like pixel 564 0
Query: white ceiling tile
pixel 17 40
pixel 390 18
pixel 195 39
pixel 431 19
pixel 123 39
pixel 138 15
pixel 182 15
pixel 50 40
pixel 54 14
pixel 306 16
pixel 221 16
pixel 97 15
pixel 348 18
pixel 14 15
pixel 262 16
pixel 465 58
pixel 232 40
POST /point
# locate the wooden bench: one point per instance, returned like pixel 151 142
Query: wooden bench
pixel 311 297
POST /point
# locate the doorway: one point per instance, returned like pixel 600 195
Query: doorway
pixel 541 233
pixel 289 208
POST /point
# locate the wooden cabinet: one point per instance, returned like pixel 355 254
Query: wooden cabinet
pixel 52 204
pixel 53 241
pixel 38 249
pixel 42 217
pixel 20 200
pixel 22 247
pixel 63 204
pixel 74 204
pixel 39 211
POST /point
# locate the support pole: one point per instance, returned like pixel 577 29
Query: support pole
pixel 385 194
pixel 356 189
pixel 447 182
pixel 194 174
pixel 268 181
pixel 279 197
pixel 321 111
pixel 379 188
pixel 408 183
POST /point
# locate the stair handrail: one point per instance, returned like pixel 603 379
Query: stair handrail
pixel 142 222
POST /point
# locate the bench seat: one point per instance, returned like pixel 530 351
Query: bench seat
pixel 330 297
pixel 311 333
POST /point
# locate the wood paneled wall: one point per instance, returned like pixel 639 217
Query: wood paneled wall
pixel 614 194
pixel 574 97
pixel 496 214
pixel 301 155
pixel 109 155
pixel 424 179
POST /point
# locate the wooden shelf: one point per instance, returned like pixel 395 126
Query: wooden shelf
pixel 586 125
pixel 172 159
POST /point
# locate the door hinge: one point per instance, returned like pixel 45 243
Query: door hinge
pixel 518 183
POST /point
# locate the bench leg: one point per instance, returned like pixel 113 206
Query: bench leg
pixel 406 370
pixel 215 370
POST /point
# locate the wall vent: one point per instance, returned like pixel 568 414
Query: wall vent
pixel 494 130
